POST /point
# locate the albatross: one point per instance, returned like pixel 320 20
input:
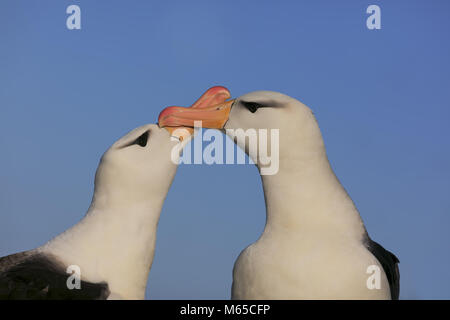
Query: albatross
pixel 314 244
pixel 113 246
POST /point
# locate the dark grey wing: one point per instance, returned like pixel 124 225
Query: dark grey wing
pixel 26 276
pixel 13 259
pixel 390 265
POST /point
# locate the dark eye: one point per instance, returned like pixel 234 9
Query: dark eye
pixel 251 106
pixel 142 140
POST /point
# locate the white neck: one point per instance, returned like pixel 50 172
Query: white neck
pixel 305 197
pixel 113 244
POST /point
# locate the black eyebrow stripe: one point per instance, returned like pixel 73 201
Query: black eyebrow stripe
pixel 147 133
pixel 265 104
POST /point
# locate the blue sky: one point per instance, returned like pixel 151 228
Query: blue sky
pixel 381 98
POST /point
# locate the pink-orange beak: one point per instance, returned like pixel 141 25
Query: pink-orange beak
pixel 212 108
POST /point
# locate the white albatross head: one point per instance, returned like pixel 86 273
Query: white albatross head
pixel 137 168
pixel 299 135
